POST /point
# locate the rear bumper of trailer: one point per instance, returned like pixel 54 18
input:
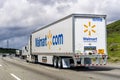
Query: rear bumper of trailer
pixel 89 60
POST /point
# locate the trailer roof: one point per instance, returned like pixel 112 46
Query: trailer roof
pixel 72 15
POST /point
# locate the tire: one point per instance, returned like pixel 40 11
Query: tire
pixel 55 62
pixel 36 59
pixel 60 65
pixel 27 61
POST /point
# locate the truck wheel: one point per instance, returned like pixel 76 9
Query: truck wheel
pixel 55 62
pixel 27 61
pixel 60 65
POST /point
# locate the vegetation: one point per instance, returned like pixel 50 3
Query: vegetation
pixel 113 41
pixel 7 50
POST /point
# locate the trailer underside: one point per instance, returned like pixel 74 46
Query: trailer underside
pixel 63 61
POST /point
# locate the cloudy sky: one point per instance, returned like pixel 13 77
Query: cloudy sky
pixel 18 18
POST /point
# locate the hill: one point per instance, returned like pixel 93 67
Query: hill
pixel 113 41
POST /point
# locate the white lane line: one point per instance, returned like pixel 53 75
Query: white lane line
pixel 17 78
pixel 0 65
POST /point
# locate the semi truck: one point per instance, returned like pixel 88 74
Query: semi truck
pixel 75 40
pixel 18 53
pixel 24 52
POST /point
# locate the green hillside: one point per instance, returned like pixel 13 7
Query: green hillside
pixel 113 41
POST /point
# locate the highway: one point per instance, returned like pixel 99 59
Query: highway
pixel 12 68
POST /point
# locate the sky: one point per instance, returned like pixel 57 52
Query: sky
pixel 19 18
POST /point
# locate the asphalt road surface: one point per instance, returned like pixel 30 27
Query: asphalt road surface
pixel 12 68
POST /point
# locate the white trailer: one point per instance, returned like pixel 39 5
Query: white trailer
pixel 18 52
pixel 24 52
pixel 76 40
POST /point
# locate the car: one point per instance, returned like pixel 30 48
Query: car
pixel 3 55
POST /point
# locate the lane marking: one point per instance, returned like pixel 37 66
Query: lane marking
pixel 17 78
pixel 0 65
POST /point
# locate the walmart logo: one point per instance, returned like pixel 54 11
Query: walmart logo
pixel 49 40
pixel 89 28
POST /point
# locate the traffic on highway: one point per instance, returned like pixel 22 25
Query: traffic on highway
pixel 14 68
pixel 59 40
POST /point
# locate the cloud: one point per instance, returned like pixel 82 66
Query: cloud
pixel 2 3
pixel 18 18
pixel 7 33
pixel 111 8
pixel 51 2
pixel 29 13
pixel 20 13
pixel 17 42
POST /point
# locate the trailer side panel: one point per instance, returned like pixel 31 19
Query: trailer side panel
pixel 56 38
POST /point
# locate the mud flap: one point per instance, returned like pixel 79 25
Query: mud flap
pixel 66 62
